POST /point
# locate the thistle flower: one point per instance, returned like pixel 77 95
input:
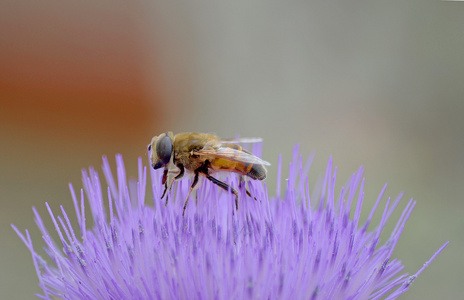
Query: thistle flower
pixel 290 247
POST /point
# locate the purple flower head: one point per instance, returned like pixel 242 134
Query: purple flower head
pixel 289 247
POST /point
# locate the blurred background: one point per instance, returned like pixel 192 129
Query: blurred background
pixel 377 84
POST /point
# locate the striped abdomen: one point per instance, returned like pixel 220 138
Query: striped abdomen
pixel 254 171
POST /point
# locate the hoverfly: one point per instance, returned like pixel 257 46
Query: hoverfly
pixel 203 154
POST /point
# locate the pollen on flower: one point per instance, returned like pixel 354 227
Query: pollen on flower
pixel 280 247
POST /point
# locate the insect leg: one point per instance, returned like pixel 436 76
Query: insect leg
pixel 177 177
pixel 165 175
pixel 164 179
pixel 241 179
pixel 224 186
pixel 192 187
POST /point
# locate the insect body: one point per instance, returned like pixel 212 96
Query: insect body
pixel 203 154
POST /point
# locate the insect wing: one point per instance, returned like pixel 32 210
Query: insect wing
pixel 242 140
pixel 232 154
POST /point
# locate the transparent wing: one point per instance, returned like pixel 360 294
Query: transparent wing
pixel 242 140
pixel 232 154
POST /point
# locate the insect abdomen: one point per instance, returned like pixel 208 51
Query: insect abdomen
pixel 257 172
pixel 253 171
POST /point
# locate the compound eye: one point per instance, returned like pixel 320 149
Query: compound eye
pixel 149 147
pixel 164 149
